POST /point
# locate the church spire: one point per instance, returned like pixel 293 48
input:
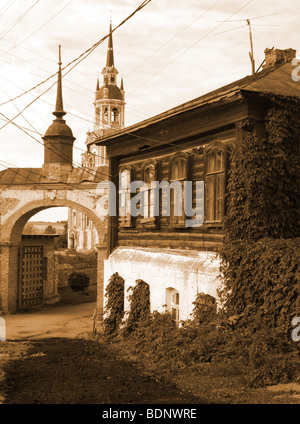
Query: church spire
pixel 58 139
pixel 59 110
pixel 110 49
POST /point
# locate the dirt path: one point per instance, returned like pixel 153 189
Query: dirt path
pixel 78 371
pixel 51 357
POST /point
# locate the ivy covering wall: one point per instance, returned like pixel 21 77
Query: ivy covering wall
pixel 260 257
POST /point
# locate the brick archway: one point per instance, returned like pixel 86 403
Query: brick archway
pixel 13 220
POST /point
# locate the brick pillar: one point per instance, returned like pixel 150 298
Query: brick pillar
pixel 102 254
pixel 9 277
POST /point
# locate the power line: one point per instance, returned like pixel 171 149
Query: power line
pixel 79 59
pixel 47 22
pixel 86 119
pixel 16 170
pixel 202 38
pixel 19 19
pixel 172 38
pixel 56 151
pixel 252 19
pixel 9 6
pixel 83 55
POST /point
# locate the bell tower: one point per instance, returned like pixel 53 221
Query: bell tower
pixel 109 109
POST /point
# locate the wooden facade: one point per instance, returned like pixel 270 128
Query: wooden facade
pixel 192 145
pixel 189 143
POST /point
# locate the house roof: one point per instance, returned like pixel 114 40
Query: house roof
pixel 275 80
pixel 35 176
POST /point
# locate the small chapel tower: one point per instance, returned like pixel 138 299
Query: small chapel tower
pixel 109 109
pixel 58 139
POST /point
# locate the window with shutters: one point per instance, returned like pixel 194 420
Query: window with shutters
pixel 149 175
pixel 124 197
pixel 215 185
pixel 179 173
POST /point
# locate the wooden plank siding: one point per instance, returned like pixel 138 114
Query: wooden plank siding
pixel 190 134
pixel 205 237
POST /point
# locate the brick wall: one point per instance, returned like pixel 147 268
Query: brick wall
pixel 67 262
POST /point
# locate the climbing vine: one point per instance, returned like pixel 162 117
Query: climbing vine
pixel 260 255
pixel 139 311
pixel 114 308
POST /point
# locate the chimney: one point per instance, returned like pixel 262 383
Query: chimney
pixel 277 57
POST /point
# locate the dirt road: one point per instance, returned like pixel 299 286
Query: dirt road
pixel 50 358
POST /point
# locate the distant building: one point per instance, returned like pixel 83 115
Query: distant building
pixel 109 111
pixel 39 227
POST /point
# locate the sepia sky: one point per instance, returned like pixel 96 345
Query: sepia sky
pixel 170 52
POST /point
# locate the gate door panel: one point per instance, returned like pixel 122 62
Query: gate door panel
pixel 31 277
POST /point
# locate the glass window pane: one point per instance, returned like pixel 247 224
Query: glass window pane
pixel 211 162
pixel 220 161
pixel 210 197
pixel 179 170
pixel 220 188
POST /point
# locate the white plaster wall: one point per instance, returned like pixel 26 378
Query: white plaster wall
pixel 188 272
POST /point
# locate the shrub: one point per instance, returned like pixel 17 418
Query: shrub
pixel 78 281
pixel 114 308
pixel 139 310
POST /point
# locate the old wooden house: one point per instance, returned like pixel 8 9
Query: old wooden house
pixel 191 142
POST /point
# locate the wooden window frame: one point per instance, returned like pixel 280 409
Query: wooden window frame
pixel 125 221
pixel 150 221
pixel 215 148
pixel 173 307
pixel 175 221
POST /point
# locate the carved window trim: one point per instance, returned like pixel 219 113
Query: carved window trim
pixel 125 220
pixel 185 158
pixel 148 219
pixel 215 183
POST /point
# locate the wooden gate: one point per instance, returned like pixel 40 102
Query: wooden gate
pixel 31 277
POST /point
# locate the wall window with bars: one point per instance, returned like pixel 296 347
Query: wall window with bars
pixel 215 185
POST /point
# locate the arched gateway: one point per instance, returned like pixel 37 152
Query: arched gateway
pixel 25 192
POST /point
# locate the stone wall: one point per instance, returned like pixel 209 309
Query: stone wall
pixel 187 272
pixel 68 261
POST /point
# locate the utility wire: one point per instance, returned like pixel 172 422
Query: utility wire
pixel 56 151
pixel 172 38
pixel 21 17
pixel 16 171
pixel 9 6
pixel 83 55
pixel 202 38
pixel 80 58
pixel 47 22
